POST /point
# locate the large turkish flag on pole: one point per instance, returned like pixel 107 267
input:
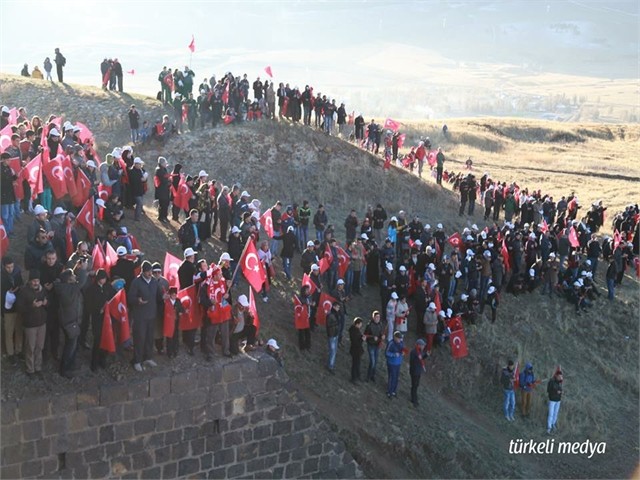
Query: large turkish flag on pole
pixel 252 267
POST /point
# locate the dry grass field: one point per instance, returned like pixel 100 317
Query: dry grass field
pixel 459 430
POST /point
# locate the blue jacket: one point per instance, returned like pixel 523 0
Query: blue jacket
pixel 394 352
pixel 527 379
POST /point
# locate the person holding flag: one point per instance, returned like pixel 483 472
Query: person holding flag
pixel 96 296
pixel 528 382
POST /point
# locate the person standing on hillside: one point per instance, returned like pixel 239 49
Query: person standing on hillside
pixel 47 68
pixel 60 63
pixel 356 350
pixel 527 382
pixel 507 380
pixel 134 123
pixel 374 335
pixel 439 165
pixel 394 354
pixel 161 181
pixel 117 71
pixel 416 368
pixel 554 390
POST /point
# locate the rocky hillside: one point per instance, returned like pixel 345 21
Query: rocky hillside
pixel 458 430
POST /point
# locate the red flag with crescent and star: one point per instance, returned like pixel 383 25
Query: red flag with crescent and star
pixel 192 317
pixel 53 171
pixel 85 217
pixel 343 262
pixel 182 195
pixel 4 239
pixel 458 343
pixel 300 314
pixel 266 220
pixel 573 237
pixel 97 257
pixel 306 280
pixel 107 342
pixel 170 271
pixel 324 307
pixel 391 124
pixel 252 267
pixel 118 310
pixel 455 240
pixel 192 45
pixel 268 71
pixel 32 173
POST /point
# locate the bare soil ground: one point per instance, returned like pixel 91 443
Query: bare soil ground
pixel 458 431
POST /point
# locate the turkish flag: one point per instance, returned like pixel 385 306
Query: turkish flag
pixel 86 217
pixel 68 237
pixel 343 262
pixel 544 227
pixel 170 271
pixel 324 307
pixel 131 72
pixel 324 265
pixel 390 124
pixel 268 71
pixel 169 319
pixel 458 344
pixel 252 267
pixel 98 258
pixel 191 319
pixel 118 310
pixel 505 255
pixel 5 137
pixel 32 173
pixel 306 280
pixel 254 311
pixel 300 314
pixel 168 81
pixel 53 171
pixel 107 343
pixel 69 177
pixel 225 94
pixel 183 195
pixel 455 240
pixel 84 134
pixel 438 249
pixel 573 237
pixel 431 157
pixel 436 300
pixel 616 239
pixel 455 323
pixel 401 138
pixel 267 223
pixel 4 240
pixel 192 45
pixel 110 256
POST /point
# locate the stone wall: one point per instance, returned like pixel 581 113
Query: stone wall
pixel 237 419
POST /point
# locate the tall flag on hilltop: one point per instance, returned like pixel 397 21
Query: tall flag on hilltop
pixel 268 71
pixel 192 45
pixel 131 72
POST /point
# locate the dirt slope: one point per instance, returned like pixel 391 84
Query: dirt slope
pixel 458 431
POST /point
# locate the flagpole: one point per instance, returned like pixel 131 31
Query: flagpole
pixel 190 58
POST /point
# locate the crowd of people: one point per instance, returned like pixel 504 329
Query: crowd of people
pixel 58 59
pixel 431 280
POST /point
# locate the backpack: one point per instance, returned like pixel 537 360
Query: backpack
pixel 64 60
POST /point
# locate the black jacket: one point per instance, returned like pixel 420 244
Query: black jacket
pixel 554 389
pixel 355 336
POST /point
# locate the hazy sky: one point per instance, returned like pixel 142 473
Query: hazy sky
pixel 330 44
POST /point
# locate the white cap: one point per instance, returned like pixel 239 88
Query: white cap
pixel 464 297
pixel 490 244
pixel 491 289
pixel 418 243
pixel 91 163
pixel 583 273
pixel 474 227
pixel 552 255
pixel 54 132
pixel 242 300
pixel 245 194
pixel 402 268
pixel 117 152
pixel 449 312
pixel 465 230
pixel 394 219
pixel 442 314
pixel 429 249
pixel 576 284
pixel 532 272
pixel 432 306
pixel 432 266
pixel 532 236
pixel 66 125
pixel 427 227
pixel 235 230
pixel 225 257
pixel 138 161
pixel 340 282
pixel 100 202
pixel 310 243
pixel 364 236
pixel 273 344
pixel 315 267
pixel 589 275
pixel 5 109
pixel 588 262
pixel 189 252
pixel 439 226
pixel 121 250
pixel 469 238
pixel 458 274
pixel 394 295
pixel 470 253
pixel 487 254
pixel 388 266
pixel 255 215
pixel 483 234
pixel 203 174
pixel 56 211
pixel 127 148
pixel 39 209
